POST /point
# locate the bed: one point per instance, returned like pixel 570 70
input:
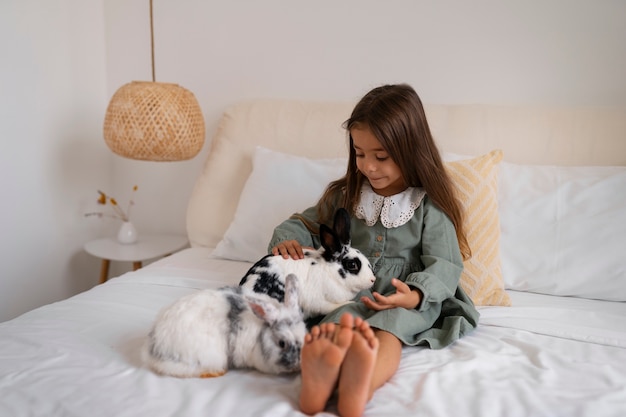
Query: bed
pixel 545 192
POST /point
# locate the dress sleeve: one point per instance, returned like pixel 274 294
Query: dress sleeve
pixel 295 228
pixel 441 258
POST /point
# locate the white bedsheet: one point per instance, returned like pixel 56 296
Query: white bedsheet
pixel 544 356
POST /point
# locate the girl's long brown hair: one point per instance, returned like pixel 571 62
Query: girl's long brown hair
pixel 396 117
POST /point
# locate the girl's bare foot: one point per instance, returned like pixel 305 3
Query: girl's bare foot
pixel 356 371
pixel 323 352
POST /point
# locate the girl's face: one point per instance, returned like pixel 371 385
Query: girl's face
pixel 374 162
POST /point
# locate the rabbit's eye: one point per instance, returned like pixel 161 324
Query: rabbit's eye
pixel 352 265
pixel 281 344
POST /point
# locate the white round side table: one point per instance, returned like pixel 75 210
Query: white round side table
pixel 146 247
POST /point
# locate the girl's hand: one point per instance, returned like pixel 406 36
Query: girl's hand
pixel 404 296
pixel 289 248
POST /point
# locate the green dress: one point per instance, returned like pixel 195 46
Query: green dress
pixel 423 252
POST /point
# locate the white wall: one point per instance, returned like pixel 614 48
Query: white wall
pixel 52 84
pixel 63 59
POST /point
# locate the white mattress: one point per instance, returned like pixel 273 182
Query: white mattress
pixel 545 356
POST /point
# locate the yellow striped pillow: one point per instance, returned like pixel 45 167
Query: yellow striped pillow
pixel 477 187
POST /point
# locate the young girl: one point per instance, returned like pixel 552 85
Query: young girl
pixel 408 222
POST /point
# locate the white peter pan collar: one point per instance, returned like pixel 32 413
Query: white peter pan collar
pixel 393 211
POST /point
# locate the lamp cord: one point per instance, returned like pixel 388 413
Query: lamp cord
pixel 152 41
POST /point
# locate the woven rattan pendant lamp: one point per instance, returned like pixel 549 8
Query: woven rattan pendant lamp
pixel 154 121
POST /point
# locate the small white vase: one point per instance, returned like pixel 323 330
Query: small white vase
pixel 127 234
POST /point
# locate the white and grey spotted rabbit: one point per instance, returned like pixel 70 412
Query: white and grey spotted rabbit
pixel 208 332
pixel 329 277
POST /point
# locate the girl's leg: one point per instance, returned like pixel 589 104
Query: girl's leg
pixel 364 370
pixel 387 364
pixel 323 352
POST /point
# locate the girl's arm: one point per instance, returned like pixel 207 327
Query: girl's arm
pixel 441 258
pixel 289 248
pixel 292 235
pixel 405 297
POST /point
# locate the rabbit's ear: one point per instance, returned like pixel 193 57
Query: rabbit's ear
pixel 264 310
pixel 291 291
pixel 330 242
pixel 341 226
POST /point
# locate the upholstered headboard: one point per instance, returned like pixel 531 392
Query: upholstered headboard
pixel 527 135
pixel 301 128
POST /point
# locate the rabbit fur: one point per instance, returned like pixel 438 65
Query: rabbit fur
pixel 329 277
pixel 208 332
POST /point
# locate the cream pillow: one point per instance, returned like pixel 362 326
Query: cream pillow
pixel 476 181
pixel 279 185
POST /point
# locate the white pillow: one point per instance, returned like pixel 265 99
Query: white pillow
pixel 563 230
pixel 279 185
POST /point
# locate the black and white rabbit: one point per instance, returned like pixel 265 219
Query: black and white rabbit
pixel 329 277
pixel 208 332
